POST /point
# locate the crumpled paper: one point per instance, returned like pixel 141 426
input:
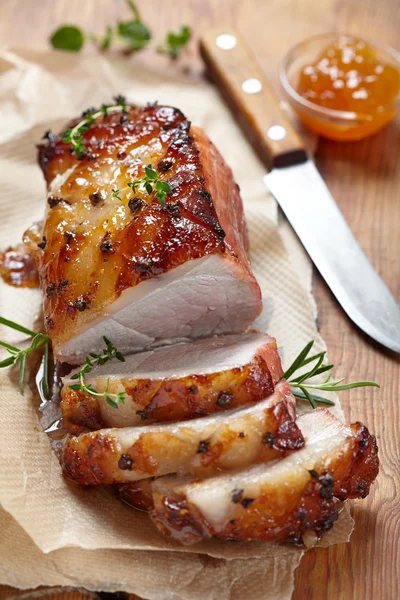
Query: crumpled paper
pixel 87 538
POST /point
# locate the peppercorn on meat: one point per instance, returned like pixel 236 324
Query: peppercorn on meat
pixel 182 381
pixel 223 442
pixel 144 248
pixel 278 501
pixel 115 260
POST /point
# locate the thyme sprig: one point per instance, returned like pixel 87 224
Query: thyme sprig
pixel 91 361
pixel 133 35
pixel 19 355
pixel 301 385
pixel 150 182
pixel 73 135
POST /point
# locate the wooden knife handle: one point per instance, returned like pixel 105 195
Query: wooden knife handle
pixel 250 96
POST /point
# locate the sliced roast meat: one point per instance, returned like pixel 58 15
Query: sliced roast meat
pixel 172 383
pixel 221 442
pixel 120 264
pixel 139 495
pixel 277 501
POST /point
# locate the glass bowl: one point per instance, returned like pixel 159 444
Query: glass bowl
pixel 329 123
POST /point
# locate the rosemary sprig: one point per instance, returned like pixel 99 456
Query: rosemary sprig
pixel 39 340
pixel 73 135
pixel 301 385
pixel 108 353
pixel 150 182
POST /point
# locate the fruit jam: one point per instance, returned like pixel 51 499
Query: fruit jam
pixel 350 76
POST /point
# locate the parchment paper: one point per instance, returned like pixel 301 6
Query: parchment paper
pixel 57 534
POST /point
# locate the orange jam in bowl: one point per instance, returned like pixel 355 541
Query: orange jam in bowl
pixel 342 87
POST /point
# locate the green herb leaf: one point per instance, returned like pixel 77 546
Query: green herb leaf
pixel 309 397
pixel 75 387
pixel 45 381
pixel 108 353
pixel 150 183
pixel 150 173
pixel 19 354
pixel 17 327
pixel 73 135
pixel 22 373
pixel 135 34
pixel 7 362
pixel 106 42
pixel 175 42
pixel 68 38
pixel 300 394
pixel 115 194
pixel 298 361
pixel 347 386
pixel 111 402
pixel 121 101
pixel 12 349
pixel 134 9
pixel 301 385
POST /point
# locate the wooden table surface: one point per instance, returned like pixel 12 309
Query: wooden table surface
pixel 365 180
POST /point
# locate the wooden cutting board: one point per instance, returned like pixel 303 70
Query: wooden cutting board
pixel 364 178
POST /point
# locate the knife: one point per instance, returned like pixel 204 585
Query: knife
pixel 300 190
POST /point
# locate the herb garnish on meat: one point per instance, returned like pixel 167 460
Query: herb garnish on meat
pixel 150 182
pixel 108 353
pixel 73 135
pixel 300 384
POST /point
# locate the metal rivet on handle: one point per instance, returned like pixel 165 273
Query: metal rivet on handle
pixel 226 41
pixel 252 86
pixel 276 133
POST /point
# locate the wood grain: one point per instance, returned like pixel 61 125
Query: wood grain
pixel 365 180
pixel 256 113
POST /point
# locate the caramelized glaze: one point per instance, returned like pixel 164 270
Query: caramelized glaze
pixel 95 245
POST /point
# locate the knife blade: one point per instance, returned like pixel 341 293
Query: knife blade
pixel 300 190
pixel 315 217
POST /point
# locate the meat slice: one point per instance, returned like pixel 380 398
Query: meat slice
pixel 122 265
pixel 222 442
pixel 177 382
pixel 139 495
pixel 278 501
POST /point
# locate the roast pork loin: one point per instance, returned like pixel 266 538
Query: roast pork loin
pixel 222 442
pixel 123 265
pixel 276 501
pixel 183 381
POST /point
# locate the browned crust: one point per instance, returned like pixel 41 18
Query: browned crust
pixel 304 511
pixel 184 398
pixel 81 412
pixel 278 517
pixel 95 458
pixel 138 495
pixel 200 395
pixel 150 242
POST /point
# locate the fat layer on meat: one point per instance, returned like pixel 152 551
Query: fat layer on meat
pixel 122 265
pixel 182 381
pixel 276 501
pixel 222 442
